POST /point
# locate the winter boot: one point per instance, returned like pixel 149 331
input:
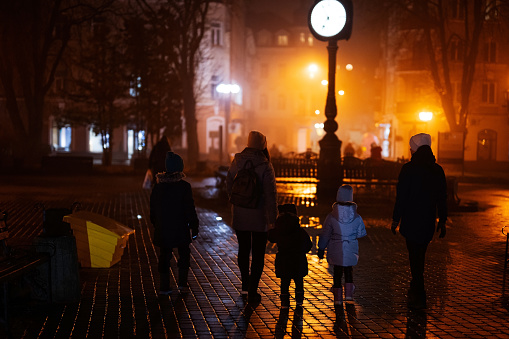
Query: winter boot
pixel 338 295
pixel 299 298
pixel 285 300
pixel 164 284
pixel 349 288
pixel 183 286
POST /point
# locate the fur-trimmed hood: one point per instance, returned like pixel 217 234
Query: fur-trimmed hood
pixel 164 177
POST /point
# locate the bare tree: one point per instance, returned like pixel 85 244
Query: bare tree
pixel 34 35
pixel 446 28
pixel 184 24
pixel 99 85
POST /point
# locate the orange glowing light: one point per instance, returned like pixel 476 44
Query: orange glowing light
pixel 425 116
pixel 341 92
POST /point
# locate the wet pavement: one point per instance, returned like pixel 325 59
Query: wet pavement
pixel 463 273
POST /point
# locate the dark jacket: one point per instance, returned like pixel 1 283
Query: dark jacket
pixel 254 219
pixel 421 196
pixel 293 243
pixel 172 211
pixel 156 160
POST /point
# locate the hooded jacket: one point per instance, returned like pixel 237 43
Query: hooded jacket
pixel 293 243
pixel 421 196
pixel 172 211
pixel 341 229
pixel 255 219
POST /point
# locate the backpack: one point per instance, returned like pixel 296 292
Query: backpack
pixel 246 188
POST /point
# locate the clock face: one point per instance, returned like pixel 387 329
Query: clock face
pixel 328 17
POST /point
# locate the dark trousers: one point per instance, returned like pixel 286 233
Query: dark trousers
pixel 338 275
pixel 183 262
pixel 251 243
pixel 417 254
pixel 285 285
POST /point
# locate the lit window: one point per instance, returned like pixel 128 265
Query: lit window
pixel 488 93
pixel 282 40
pixel 302 38
pixel 310 40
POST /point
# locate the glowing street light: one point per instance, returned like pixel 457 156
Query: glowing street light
pixel 325 82
pixel 349 67
pixel 341 92
pixel 425 116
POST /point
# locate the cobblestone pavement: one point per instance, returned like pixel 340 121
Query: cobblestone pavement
pixel 463 275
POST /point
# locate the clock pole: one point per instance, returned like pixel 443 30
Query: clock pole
pixel 330 173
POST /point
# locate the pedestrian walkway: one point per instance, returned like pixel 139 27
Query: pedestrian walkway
pixel 463 276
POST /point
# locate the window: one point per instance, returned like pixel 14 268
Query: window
pixel 492 10
pixel 490 52
pixel 457 9
pixel 282 40
pixel 302 38
pixel 264 104
pixel 310 40
pixel 214 81
pixel 456 50
pixel 264 38
pixel 488 93
pixel 216 36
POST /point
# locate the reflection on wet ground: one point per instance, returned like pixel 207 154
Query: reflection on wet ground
pixel 463 275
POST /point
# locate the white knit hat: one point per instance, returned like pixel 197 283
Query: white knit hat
pixel 419 140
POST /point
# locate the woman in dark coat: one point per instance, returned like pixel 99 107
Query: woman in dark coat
pixel 421 196
pixel 293 243
pixel 173 215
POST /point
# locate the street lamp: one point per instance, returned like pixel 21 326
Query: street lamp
pixel 425 116
pixel 227 90
pixel 330 20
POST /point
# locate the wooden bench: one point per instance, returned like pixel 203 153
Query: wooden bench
pixel 13 264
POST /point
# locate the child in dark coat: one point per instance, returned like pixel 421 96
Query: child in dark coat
pixel 173 215
pixel 293 243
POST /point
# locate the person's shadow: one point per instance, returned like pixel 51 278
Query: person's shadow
pixel 297 322
pixel 416 325
pixel 344 322
pixel 282 321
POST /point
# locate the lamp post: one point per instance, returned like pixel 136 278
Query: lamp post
pixel 330 20
pixel 227 90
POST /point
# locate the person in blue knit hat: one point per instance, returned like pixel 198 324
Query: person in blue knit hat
pixel 173 215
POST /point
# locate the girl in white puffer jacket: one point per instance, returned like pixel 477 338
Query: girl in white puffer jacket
pixel 341 229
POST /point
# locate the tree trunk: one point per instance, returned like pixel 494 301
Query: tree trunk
pixel 193 150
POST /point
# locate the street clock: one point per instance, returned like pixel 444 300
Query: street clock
pixel 331 19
